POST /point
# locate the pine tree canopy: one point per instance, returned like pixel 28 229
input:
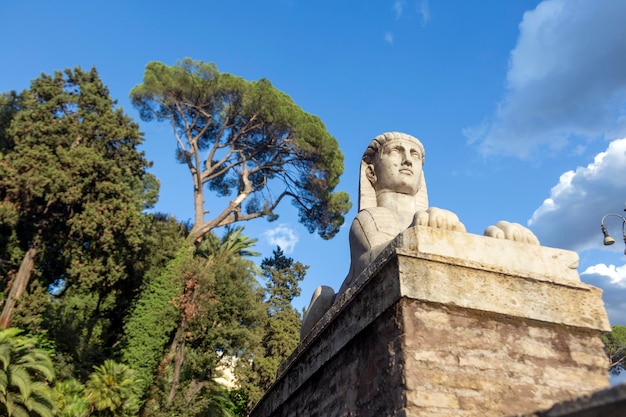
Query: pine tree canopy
pixel 247 140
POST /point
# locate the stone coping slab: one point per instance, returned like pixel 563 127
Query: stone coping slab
pixel 490 254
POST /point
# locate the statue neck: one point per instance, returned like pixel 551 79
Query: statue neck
pixel 403 205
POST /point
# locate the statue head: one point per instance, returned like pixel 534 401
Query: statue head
pixel 393 161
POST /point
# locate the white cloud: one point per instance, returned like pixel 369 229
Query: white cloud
pixel 423 9
pixel 612 280
pixel 283 236
pixel 398 8
pixel 570 217
pixel 615 274
pixel 389 38
pixel 566 79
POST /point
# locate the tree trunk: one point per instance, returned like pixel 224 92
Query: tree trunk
pixel 198 195
pixel 194 387
pixel 91 324
pixel 178 348
pixel 18 286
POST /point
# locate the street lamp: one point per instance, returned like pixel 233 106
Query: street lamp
pixel 608 240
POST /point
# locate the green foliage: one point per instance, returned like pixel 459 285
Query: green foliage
pixel 208 399
pixel 239 400
pixel 226 309
pixel 25 372
pixel 113 390
pixel 220 317
pixel 615 348
pixel 31 308
pixel 234 243
pixel 80 331
pixel 283 277
pixel 227 317
pixel 281 328
pixel 10 252
pixel 10 103
pixel 248 138
pixel 73 185
pixel 150 324
pixel 76 176
pixel 70 398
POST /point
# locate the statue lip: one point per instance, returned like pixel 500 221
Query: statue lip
pixel 406 170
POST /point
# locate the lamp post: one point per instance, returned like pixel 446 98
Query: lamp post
pixel 608 240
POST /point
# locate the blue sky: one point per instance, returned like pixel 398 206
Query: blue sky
pixel 521 104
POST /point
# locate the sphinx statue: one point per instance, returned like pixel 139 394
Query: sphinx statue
pixel 392 198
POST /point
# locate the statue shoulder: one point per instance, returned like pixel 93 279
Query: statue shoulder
pixel 373 218
pixel 375 225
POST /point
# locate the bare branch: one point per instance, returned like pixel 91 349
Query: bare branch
pixel 209 172
pixel 216 146
pixel 233 214
pixel 615 364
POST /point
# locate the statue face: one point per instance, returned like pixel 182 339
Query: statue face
pixel 397 168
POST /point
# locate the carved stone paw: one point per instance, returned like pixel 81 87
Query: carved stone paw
pixel 438 218
pixel 511 231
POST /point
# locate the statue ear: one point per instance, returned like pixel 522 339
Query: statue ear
pixel 370 173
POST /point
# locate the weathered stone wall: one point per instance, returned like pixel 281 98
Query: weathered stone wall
pixel 365 379
pixel 432 330
pixel 350 366
pixel 460 362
